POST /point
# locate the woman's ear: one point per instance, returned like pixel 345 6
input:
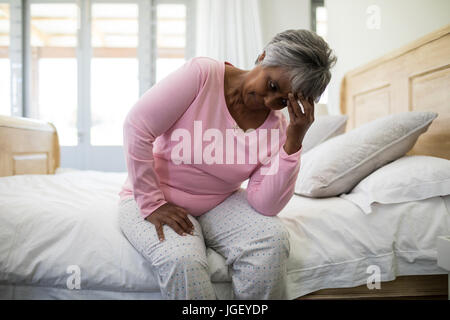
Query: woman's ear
pixel 261 56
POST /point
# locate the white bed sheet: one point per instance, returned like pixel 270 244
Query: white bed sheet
pixel 50 222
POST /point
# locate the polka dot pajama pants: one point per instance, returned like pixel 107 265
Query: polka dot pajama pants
pixel 255 247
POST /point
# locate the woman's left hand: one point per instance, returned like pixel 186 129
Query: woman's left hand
pixel 299 122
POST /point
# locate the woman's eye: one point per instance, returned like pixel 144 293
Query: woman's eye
pixel 272 86
pixel 284 102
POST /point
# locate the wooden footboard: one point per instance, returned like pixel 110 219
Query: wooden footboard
pixel 27 146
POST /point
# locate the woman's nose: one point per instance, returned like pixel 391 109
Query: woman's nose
pixel 270 99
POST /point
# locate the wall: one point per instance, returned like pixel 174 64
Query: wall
pixel 279 15
pixel 401 22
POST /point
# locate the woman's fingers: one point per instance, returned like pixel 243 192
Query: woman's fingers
pixel 174 225
pixel 308 105
pixel 295 107
pixel 312 107
pixel 159 231
pixel 175 217
pixel 181 222
pixel 291 111
pixel 185 215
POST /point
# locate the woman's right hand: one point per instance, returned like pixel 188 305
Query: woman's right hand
pixel 173 216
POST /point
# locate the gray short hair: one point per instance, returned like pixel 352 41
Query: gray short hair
pixel 307 57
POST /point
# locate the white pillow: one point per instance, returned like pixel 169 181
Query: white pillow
pixel 410 178
pixel 322 129
pixel 338 164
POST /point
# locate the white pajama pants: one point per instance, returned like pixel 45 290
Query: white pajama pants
pixel 255 247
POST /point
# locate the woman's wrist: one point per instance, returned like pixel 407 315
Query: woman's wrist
pixel 292 147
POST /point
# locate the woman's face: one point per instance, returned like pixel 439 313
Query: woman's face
pixel 266 88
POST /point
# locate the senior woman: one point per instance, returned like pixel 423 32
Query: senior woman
pixel 183 187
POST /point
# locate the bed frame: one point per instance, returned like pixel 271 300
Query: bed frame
pixel 414 77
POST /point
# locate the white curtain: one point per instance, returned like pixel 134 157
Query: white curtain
pixel 229 30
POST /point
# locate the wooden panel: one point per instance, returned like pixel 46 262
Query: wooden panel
pixel 27 146
pixel 34 163
pixel 430 91
pixel 433 286
pixel 371 105
pixel 412 78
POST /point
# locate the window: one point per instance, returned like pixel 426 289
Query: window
pixel 5 66
pixel 171 38
pixel 319 26
pixel 53 66
pixel 87 62
pixel 319 17
pixel 115 61
pixel 114 69
pixel 321 22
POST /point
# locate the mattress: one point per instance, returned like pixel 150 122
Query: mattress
pixel 51 224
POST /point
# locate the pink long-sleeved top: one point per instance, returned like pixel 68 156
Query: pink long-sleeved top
pixel 175 114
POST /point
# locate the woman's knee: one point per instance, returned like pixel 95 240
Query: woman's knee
pixel 188 251
pixel 280 235
pixel 186 262
pixel 191 262
pixel 273 236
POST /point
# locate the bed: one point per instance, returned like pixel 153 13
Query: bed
pixel 58 224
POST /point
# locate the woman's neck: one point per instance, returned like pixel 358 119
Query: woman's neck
pixel 234 82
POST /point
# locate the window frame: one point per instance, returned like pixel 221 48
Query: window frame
pixel 15 55
pixel 191 11
pixel 314 5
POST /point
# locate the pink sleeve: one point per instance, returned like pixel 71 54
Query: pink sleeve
pixel 268 194
pixel 155 112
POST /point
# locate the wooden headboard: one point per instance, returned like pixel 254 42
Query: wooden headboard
pixel 415 77
pixel 27 147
